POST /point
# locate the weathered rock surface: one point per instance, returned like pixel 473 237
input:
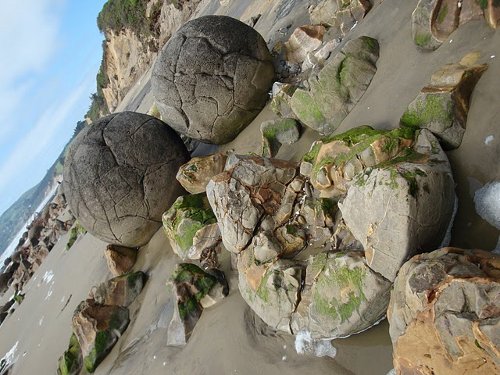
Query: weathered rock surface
pixel 195 174
pixel 212 78
pixel 71 362
pixel 336 89
pixel 281 99
pixel 194 289
pixel 278 132
pixel 433 21
pixel 184 219
pixel 303 40
pixel 121 290
pixel 342 296
pixel 443 105
pixel 402 207
pixel 341 15
pixel 119 176
pixel 120 259
pixel 444 313
pixel 207 245
pixel 97 328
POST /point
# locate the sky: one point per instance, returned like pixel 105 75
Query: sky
pixel 51 52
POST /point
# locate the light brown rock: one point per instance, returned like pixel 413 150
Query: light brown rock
pixel 195 174
pixel 120 259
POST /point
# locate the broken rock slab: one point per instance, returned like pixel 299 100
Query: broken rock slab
pixel 121 290
pixel 444 313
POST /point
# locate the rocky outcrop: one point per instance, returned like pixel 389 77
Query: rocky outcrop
pixel 443 105
pixel 120 259
pixel 97 328
pixel 212 77
pixel 119 176
pixel 195 290
pixel 335 90
pixel 276 133
pixel 433 21
pixel 195 174
pixel 71 362
pixel 444 313
pixel 121 290
pixel 188 215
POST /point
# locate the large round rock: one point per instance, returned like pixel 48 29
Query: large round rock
pixel 119 176
pixel 212 78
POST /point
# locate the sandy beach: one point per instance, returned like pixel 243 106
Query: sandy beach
pixel 229 338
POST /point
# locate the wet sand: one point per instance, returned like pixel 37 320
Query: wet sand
pixel 229 339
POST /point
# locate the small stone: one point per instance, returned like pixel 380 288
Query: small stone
pixel 120 259
pixel 195 174
pixel 278 132
pixel 121 290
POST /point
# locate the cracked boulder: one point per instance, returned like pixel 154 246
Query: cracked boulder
pixel 184 219
pixel 212 78
pixel 98 328
pixel 71 362
pixel 195 290
pixel 444 313
pixel 443 105
pixel 342 296
pixel 195 174
pixel 402 206
pixel 333 92
pixel 278 132
pixel 121 290
pixel 119 176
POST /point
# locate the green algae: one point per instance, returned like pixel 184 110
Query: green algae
pixel 422 39
pixel 428 109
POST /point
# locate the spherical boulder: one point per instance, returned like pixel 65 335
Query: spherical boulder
pixel 212 78
pixel 119 176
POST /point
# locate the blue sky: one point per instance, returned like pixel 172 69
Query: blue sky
pixel 51 51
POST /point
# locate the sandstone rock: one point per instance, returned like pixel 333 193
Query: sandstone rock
pixel 278 132
pixel 281 99
pixel 212 78
pixel 120 259
pixel 97 328
pixel 195 174
pixel 444 313
pixel 443 105
pixel 206 246
pixel 336 89
pixel 303 40
pixel 342 296
pixel 401 207
pixel 71 362
pixel 339 14
pixel 250 188
pixel 119 176
pixel 184 219
pixel 317 59
pixel 121 290
pixel 194 290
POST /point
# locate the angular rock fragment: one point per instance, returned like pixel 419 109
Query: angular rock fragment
pixel 402 206
pixel 97 328
pixel 336 89
pixel 194 289
pixel 71 362
pixel 444 313
pixel 281 99
pixel 184 219
pixel 207 244
pixel 342 296
pixel 120 259
pixel 443 105
pixel 276 133
pixel 212 78
pixel 121 290
pixel 195 174
pixel 303 40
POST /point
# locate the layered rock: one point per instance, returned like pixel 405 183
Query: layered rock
pixel 212 77
pixel 278 132
pixel 120 259
pixel 121 290
pixel 444 313
pixel 433 21
pixel 341 15
pixel 303 40
pixel 195 290
pixel 188 215
pixel 97 328
pixel 195 174
pixel 119 176
pixel 335 90
pixel 443 105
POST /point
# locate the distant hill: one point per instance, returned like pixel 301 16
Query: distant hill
pixel 15 217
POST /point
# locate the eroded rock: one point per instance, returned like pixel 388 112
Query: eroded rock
pixel 336 89
pixel 444 313
pixel 184 219
pixel 303 40
pixel 195 174
pixel 276 133
pixel 120 259
pixel 121 290
pixel 212 78
pixel 119 176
